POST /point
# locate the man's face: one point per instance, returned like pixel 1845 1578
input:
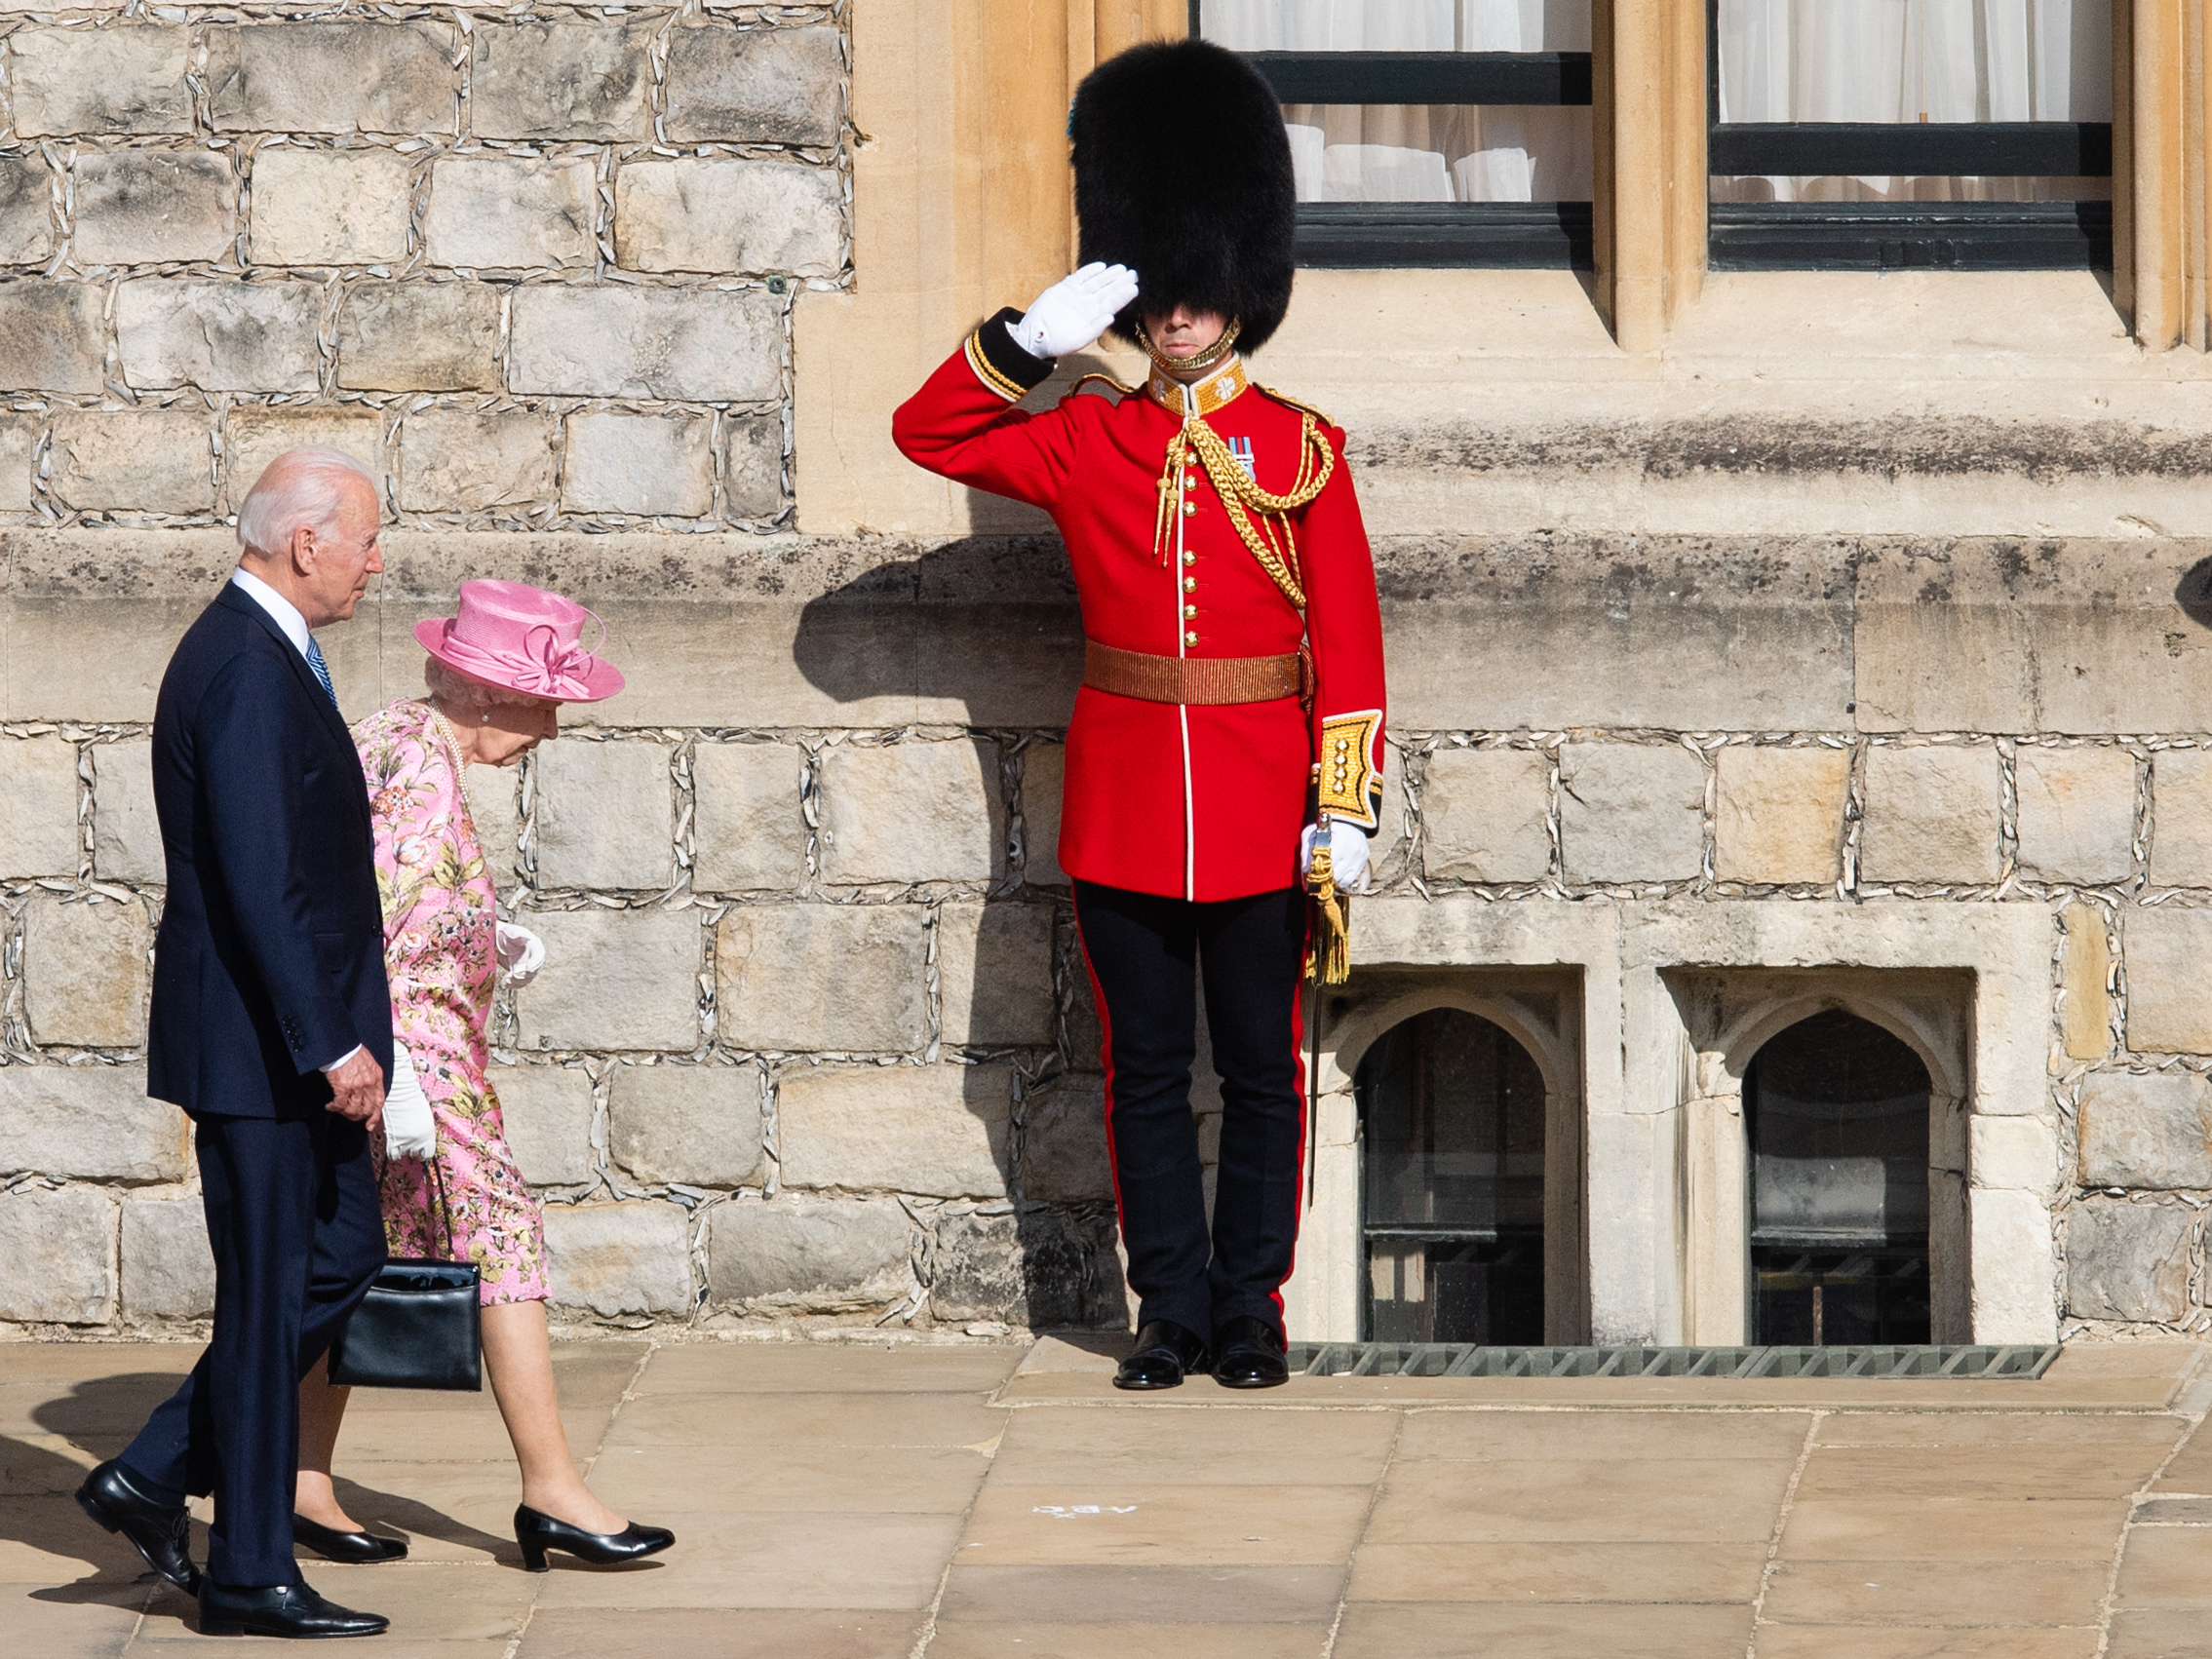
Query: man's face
pixel 1184 332
pixel 333 565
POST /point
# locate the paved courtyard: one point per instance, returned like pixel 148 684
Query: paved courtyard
pixel 842 1501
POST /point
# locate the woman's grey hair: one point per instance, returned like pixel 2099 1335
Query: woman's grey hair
pixel 456 689
pixel 303 489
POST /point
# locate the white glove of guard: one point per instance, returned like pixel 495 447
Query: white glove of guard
pixel 1074 311
pixel 1347 856
pixel 410 1130
pixel 521 952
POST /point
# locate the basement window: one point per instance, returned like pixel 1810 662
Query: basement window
pixel 1836 1110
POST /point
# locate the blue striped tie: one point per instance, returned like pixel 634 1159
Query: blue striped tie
pixel 322 670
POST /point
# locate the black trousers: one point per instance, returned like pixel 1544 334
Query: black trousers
pixel 297 1235
pixel 1145 955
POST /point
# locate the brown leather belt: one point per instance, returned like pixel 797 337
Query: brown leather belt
pixel 1192 679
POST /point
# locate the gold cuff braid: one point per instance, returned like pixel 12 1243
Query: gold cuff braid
pixel 1347 784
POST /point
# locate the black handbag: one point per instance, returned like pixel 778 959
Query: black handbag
pixel 421 1325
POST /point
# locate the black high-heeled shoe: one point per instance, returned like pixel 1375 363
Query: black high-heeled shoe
pixel 537 1533
pixel 332 1545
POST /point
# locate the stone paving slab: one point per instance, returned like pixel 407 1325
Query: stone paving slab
pixel 951 1500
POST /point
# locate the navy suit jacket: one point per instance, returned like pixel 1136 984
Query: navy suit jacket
pixel 269 964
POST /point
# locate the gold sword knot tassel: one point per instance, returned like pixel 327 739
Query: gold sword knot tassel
pixel 1331 958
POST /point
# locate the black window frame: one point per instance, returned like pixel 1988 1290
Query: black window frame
pixel 1885 236
pixel 1434 235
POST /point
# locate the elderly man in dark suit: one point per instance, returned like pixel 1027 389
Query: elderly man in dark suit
pixel 272 1028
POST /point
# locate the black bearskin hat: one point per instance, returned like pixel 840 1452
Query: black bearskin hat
pixel 1182 173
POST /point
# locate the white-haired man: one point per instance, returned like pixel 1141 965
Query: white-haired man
pixel 271 1026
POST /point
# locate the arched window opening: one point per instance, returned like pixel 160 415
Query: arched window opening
pixel 1837 1111
pixel 1453 1115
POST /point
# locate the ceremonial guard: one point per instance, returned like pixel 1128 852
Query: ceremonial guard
pixel 1230 719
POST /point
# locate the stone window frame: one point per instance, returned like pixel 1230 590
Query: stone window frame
pixel 1539 1008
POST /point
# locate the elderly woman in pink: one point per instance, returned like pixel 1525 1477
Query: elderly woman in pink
pixel 497 676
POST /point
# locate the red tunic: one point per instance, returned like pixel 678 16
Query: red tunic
pixel 1191 802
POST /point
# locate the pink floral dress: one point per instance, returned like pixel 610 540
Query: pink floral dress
pixel 439 950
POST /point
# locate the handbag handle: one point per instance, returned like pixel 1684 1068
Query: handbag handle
pixel 437 1176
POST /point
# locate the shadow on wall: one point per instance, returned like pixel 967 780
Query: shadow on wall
pixel 2193 593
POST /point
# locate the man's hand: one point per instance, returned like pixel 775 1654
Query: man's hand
pixel 357 1090
pixel 1074 311
pixel 1347 856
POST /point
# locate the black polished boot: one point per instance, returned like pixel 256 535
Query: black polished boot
pixel 1250 1354
pixel 538 1532
pixel 161 1532
pixel 280 1610
pixel 1165 1354
pixel 355 1547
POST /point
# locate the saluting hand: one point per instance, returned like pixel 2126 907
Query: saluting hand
pixel 1074 311
pixel 357 1091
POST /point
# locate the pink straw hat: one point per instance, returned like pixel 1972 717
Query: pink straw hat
pixel 512 635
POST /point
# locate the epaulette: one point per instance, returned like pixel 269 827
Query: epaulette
pixel 1103 378
pixel 1303 408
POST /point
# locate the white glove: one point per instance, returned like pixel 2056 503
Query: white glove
pixel 1347 856
pixel 410 1130
pixel 1074 311
pixel 521 952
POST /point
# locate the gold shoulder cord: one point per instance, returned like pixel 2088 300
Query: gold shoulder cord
pixel 1271 539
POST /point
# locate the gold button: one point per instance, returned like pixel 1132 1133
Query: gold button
pixel 1190 639
pixel 1191 584
pixel 1189 610
pixel 1188 508
pixel 1190 559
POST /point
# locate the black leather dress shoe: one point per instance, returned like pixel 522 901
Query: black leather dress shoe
pixel 538 1532
pixel 1250 1354
pixel 356 1547
pixel 1164 1355
pixel 162 1533
pixel 282 1610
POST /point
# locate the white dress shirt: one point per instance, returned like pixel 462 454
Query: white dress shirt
pixel 287 617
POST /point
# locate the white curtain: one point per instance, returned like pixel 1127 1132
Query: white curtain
pixel 1423 152
pixel 1914 60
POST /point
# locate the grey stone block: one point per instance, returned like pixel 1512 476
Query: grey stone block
pixel 934 1130
pixel 2165 950
pixel 2126 1262
pixel 38 807
pixel 496 808
pixel 332 77
pixel 2077 813
pixel 559 81
pixel 701 215
pixel 696 1123
pixel 846 978
pixel 614 979
pixel 756 86
pixel 2145 1131
pixel 168 1270
pixel 1044 1269
pixel 86 977
pixel 2181 818
pixel 126 833
pixel 546 1112
pixel 18 444
pixel 748 829
pixel 101 80
pixel 753 466
pixel 1778 814
pixel 602 816
pixel 1063 1143
pixel 995 973
pixel 133 460
pixel 454 461
pixel 510 215
pixel 614 342
pixel 1933 815
pixel 620 1258
pixel 26 211
pixel 912 812
pixel 219 336
pixel 1630 813
pixel 420 338
pixel 1487 815
pixel 89 1123
pixel 800 1254
pixel 147 207
pixel 329 206
pixel 252 438
pixel 59 1248
pixel 1044 778
pixel 50 337
pixel 639 463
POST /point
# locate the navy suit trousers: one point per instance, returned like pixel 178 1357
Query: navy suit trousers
pixel 1146 956
pixel 294 1219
